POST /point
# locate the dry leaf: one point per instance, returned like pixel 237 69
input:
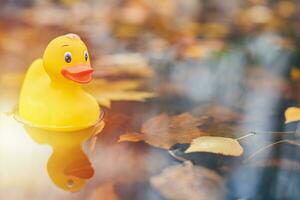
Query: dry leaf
pixel 132 137
pixel 107 91
pixel 163 131
pixel 189 47
pixel 259 14
pixel 97 130
pixel 286 8
pixel 215 30
pixel 295 74
pixel 220 145
pixel 189 182
pixel 105 191
pixel 292 114
pixel 129 64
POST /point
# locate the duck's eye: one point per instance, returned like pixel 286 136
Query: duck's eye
pixel 86 55
pixel 68 57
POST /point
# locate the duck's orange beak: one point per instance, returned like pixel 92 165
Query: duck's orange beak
pixel 81 73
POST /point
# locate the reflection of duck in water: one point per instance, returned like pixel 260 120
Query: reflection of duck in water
pixel 68 166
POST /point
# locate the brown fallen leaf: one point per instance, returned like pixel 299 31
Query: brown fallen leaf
pixel 164 131
pixel 292 114
pixel 104 191
pixel 215 30
pixel 219 145
pixel 189 47
pixel 106 91
pixel 189 182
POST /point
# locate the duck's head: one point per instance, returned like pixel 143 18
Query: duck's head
pixel 66 60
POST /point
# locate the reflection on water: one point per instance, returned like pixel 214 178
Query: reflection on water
pixel 68 166
pixel 21 160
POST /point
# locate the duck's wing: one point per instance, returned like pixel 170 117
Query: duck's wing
pixel 36 78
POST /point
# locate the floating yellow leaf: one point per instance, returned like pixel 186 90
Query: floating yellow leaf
pixel 219 145
pixel 292 114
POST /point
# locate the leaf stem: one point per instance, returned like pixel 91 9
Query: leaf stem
pixel 268 146
pixel 177 157
pixel 252 133
pixel 246 136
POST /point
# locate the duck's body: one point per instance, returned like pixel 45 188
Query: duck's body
pixel 53 103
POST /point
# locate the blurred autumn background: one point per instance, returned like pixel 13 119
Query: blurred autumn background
pixel 200 98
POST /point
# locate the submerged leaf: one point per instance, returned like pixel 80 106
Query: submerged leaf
pixel 105 191
pixel 220 145
pixel 164 131
pixel 189 182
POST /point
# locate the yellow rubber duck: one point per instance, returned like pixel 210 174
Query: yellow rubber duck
pixel 51 97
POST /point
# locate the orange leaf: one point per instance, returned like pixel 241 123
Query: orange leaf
pixel 131 137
